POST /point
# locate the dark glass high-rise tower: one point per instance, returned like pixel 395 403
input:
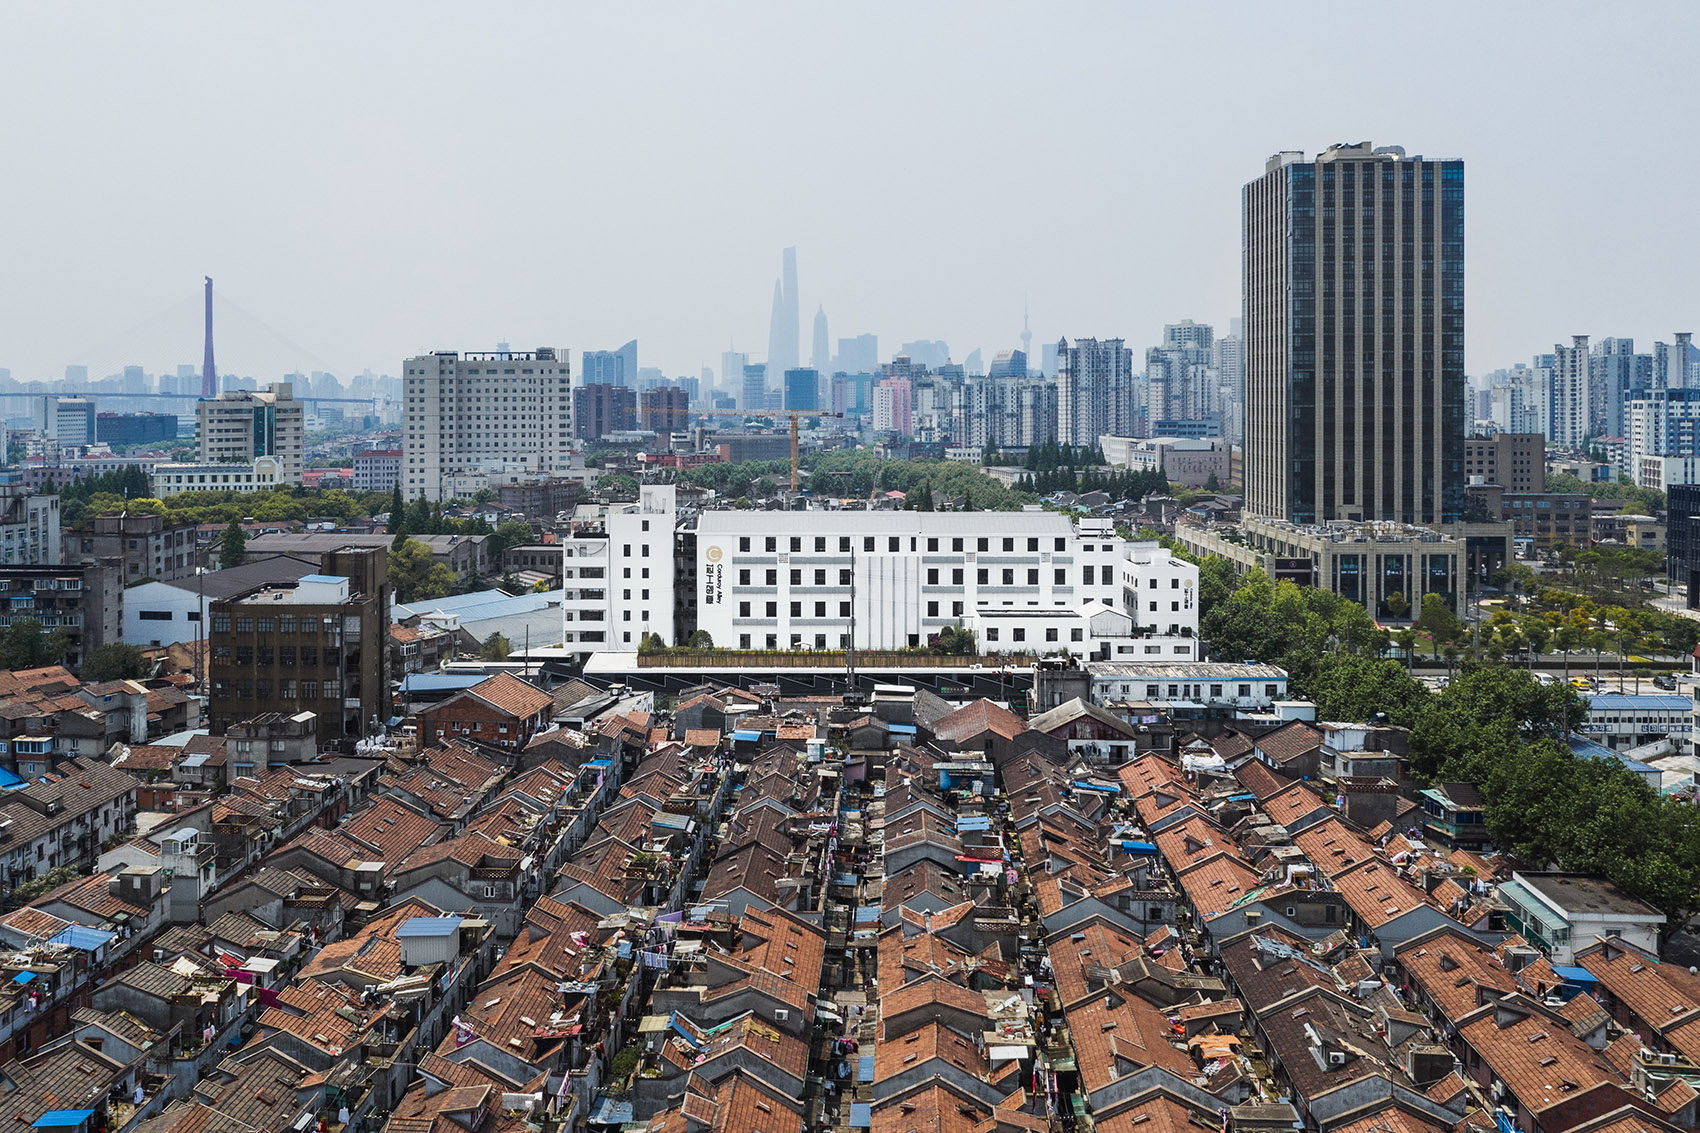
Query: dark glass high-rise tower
pixel 1354 337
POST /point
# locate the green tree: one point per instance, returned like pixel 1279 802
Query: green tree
pixel 398 509
pixel 701 639
pixel 115 661
pixel 1406 639
pixel 233 546
pixel 1348 687
pixel 512 533
pixel 23 645
pixel 1439 622
pixel 415 576
pixel 495 648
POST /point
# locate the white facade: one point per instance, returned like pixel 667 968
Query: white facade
pixel 1086 633
pixel 620 583
pixel 1248 687
pixel 241 427
pixel 890 580
pixel 481 413
pixel 263 473
pixel 1160 592
pixel 161 613
pixel 640 544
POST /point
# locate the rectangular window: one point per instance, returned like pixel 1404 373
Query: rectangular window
pixel 992 634
pixel 1009 576
pixel 932 544
pixel 744 543
pixel 820 609
pixel 244 624
pixel 982 575
pixel 796 577
pixel 772 543
pixel 796 609
pixel 743 609
pixel 868 543
pixel 1019 634
pixel 1033 576
pixel 796 543
pixel 743 578
pixel 820 543
pixel 932 576
pixel 1050 634
pixel 932 609
pixel 1086 575
pixel 1061 578
pixel 773 609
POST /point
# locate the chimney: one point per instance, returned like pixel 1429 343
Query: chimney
pixel 1428 1064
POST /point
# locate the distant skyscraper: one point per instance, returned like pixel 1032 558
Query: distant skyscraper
pixel 894 401
pixel 752 398
pixel 802 390
pixel 1354 337
pixel 927 353
pixel 1094 391
pixel 974 365
pixel 783 345
pixel 821 357
pixel 1009 364
pixel 1676 364
pixel 1568 400
pixel 1026 334
pixel 209 372
pixel 600 408
pixel 732 363
pixel 859 355
pixel 612 367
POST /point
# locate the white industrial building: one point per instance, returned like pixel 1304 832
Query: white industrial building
pixel 892 580
pixel 1202 684
pixel 619 583
pixel 468 415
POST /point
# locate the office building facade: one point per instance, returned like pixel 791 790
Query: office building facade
pixel 1354 337
pixel 242 427
pixel 507 411
pixel 1516 462
pixel 802 390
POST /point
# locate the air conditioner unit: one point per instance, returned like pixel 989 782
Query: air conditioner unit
pixel 159 955
pixel 1336 1058
pixel 781 1015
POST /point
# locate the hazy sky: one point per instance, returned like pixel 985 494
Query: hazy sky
pixel 375 181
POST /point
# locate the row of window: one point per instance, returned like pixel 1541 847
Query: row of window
pixel 284 623
pixel 284 656
pixel 895 543
pixel 262 689
pixel 983 577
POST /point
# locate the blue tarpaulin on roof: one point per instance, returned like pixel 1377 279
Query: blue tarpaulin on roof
pixel 9 780
pixel 865 1068
pixel 1082 785
pixel 23 977
pixel 861 1115
pixel 86 939
pixel 901 729
pixel 867 914
pixel 62 1118
pixel 1574 975
pixel 1139 847
pixel 599 764
pixel 747 736
pixel 974 822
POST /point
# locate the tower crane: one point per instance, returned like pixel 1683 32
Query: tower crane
pixel 793 415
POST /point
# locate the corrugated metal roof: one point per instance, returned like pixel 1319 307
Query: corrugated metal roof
pixel 428 926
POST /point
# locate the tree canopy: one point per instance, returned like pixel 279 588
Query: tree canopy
pixel 414 575
pixel 115 661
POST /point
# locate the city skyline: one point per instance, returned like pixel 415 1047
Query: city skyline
pixel 348 260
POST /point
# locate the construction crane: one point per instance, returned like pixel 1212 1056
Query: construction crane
pixel 795 415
